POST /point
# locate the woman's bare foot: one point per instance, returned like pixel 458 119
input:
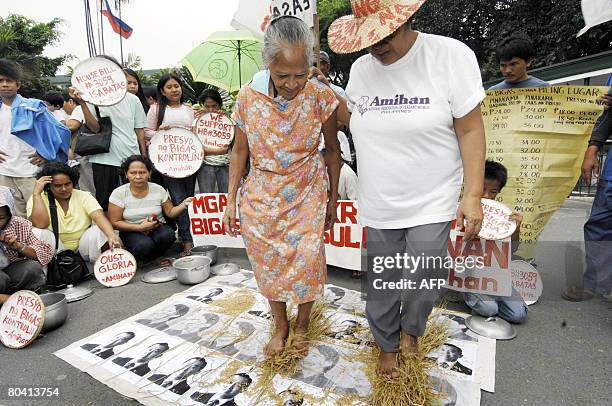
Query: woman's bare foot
pixel 276 345
pixel 387 365
pixel 187 246
pixel 409 345
pixel 300 341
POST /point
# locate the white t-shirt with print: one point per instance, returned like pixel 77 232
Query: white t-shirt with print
pixel 410 168
pixel 136 210
pixel 16 151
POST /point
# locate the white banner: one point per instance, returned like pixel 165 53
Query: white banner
pixel 254 15
pixel 595 12
pixel 342 243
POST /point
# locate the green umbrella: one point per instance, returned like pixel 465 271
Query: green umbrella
pixel 227 59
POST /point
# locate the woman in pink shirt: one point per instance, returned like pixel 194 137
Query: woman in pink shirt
pixel 170 112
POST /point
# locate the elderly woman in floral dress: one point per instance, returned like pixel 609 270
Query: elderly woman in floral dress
pixel 284 203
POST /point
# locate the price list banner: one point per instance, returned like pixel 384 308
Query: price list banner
pixel 540 135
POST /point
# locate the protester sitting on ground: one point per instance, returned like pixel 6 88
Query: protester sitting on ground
pixel 515 55
pixel 213 176
pixel 55 104
pixel 128 122
pixel 510 308
pixel 137 210
pixel 134 86
pixel 76 211
pixel 22 254
pixel 40 139
pixel 150 93
pixel 171 111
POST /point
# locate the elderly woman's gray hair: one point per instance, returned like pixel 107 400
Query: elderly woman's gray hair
pixel 287 31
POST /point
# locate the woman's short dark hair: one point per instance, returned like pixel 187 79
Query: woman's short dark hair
pixel 496 171
pixel 211 94
pixel 54 98
pixel 125 165
pixel 11 69
pixel 59 168
pixel 517 45
pixel 150 91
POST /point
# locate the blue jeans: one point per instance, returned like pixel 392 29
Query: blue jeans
pixel 180 189
pixel 209 175
pixel 145 247
pixel 513 309
pixel 598 241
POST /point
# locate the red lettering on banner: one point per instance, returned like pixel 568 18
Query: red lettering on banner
pixel 210 226
pixel 340 237
pixel 347 212
pixel 471 283
pixel 210 204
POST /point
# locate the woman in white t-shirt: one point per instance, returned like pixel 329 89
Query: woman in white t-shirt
pixel 137 210
pixel 170 112
pixel 419 136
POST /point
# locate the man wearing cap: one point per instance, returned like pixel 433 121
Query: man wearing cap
pixel 413 102
pixel 325 69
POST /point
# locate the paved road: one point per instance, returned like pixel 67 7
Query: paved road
pixel 561 356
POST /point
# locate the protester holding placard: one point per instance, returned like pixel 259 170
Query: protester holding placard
pixel 284 204
pixel 40 137
pixel 128 122
pixel 22 254
pixel 171 111
pixel 76 212
pixel 137 210
pixel 511 308
pixel 415 103
pixel 214 174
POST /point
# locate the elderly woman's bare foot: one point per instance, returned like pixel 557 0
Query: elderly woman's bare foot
pixel 409 345
pixel 276 345
pixel 387 365
pixel 300 341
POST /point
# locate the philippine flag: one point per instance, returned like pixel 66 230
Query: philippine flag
pixel 119 26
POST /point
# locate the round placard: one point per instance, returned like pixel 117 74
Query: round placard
pixel 526 280
pixel 115 268
pixel 215 130
pixel 21 318
pixel 176 152
pixel 100 81
pixel 496 223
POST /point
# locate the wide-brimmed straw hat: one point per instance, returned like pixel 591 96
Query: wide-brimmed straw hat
pixel 371 21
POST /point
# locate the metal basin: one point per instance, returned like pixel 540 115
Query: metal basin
pixel 225 269
pixel 56 310
pixel 193 269
pixel 491 327
pixel 209 251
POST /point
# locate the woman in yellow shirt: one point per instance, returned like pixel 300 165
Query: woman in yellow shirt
pixel 76 212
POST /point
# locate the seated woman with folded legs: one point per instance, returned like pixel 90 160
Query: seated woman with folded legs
pixel 82 225
pixel 137 210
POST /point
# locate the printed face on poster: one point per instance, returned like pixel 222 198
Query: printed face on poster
pixel 21 319
pixel 100 81
pixel 115 268
pixel 176 153
pixel 215 131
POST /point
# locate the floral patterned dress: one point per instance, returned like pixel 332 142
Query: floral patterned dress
pixel 284 198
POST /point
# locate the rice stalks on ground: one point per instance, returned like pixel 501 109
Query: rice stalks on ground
pixel 286 364
pixel 235 304
pixel 413 387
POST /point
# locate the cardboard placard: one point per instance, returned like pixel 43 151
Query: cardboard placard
pixel 100 81
pixel 496 223
pixel 21 319
pixel 215 131
pixel 115 268
pixel 527 281
pixel 176 152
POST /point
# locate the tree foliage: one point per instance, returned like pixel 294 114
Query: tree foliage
pixel 482 24
pixel 24 40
